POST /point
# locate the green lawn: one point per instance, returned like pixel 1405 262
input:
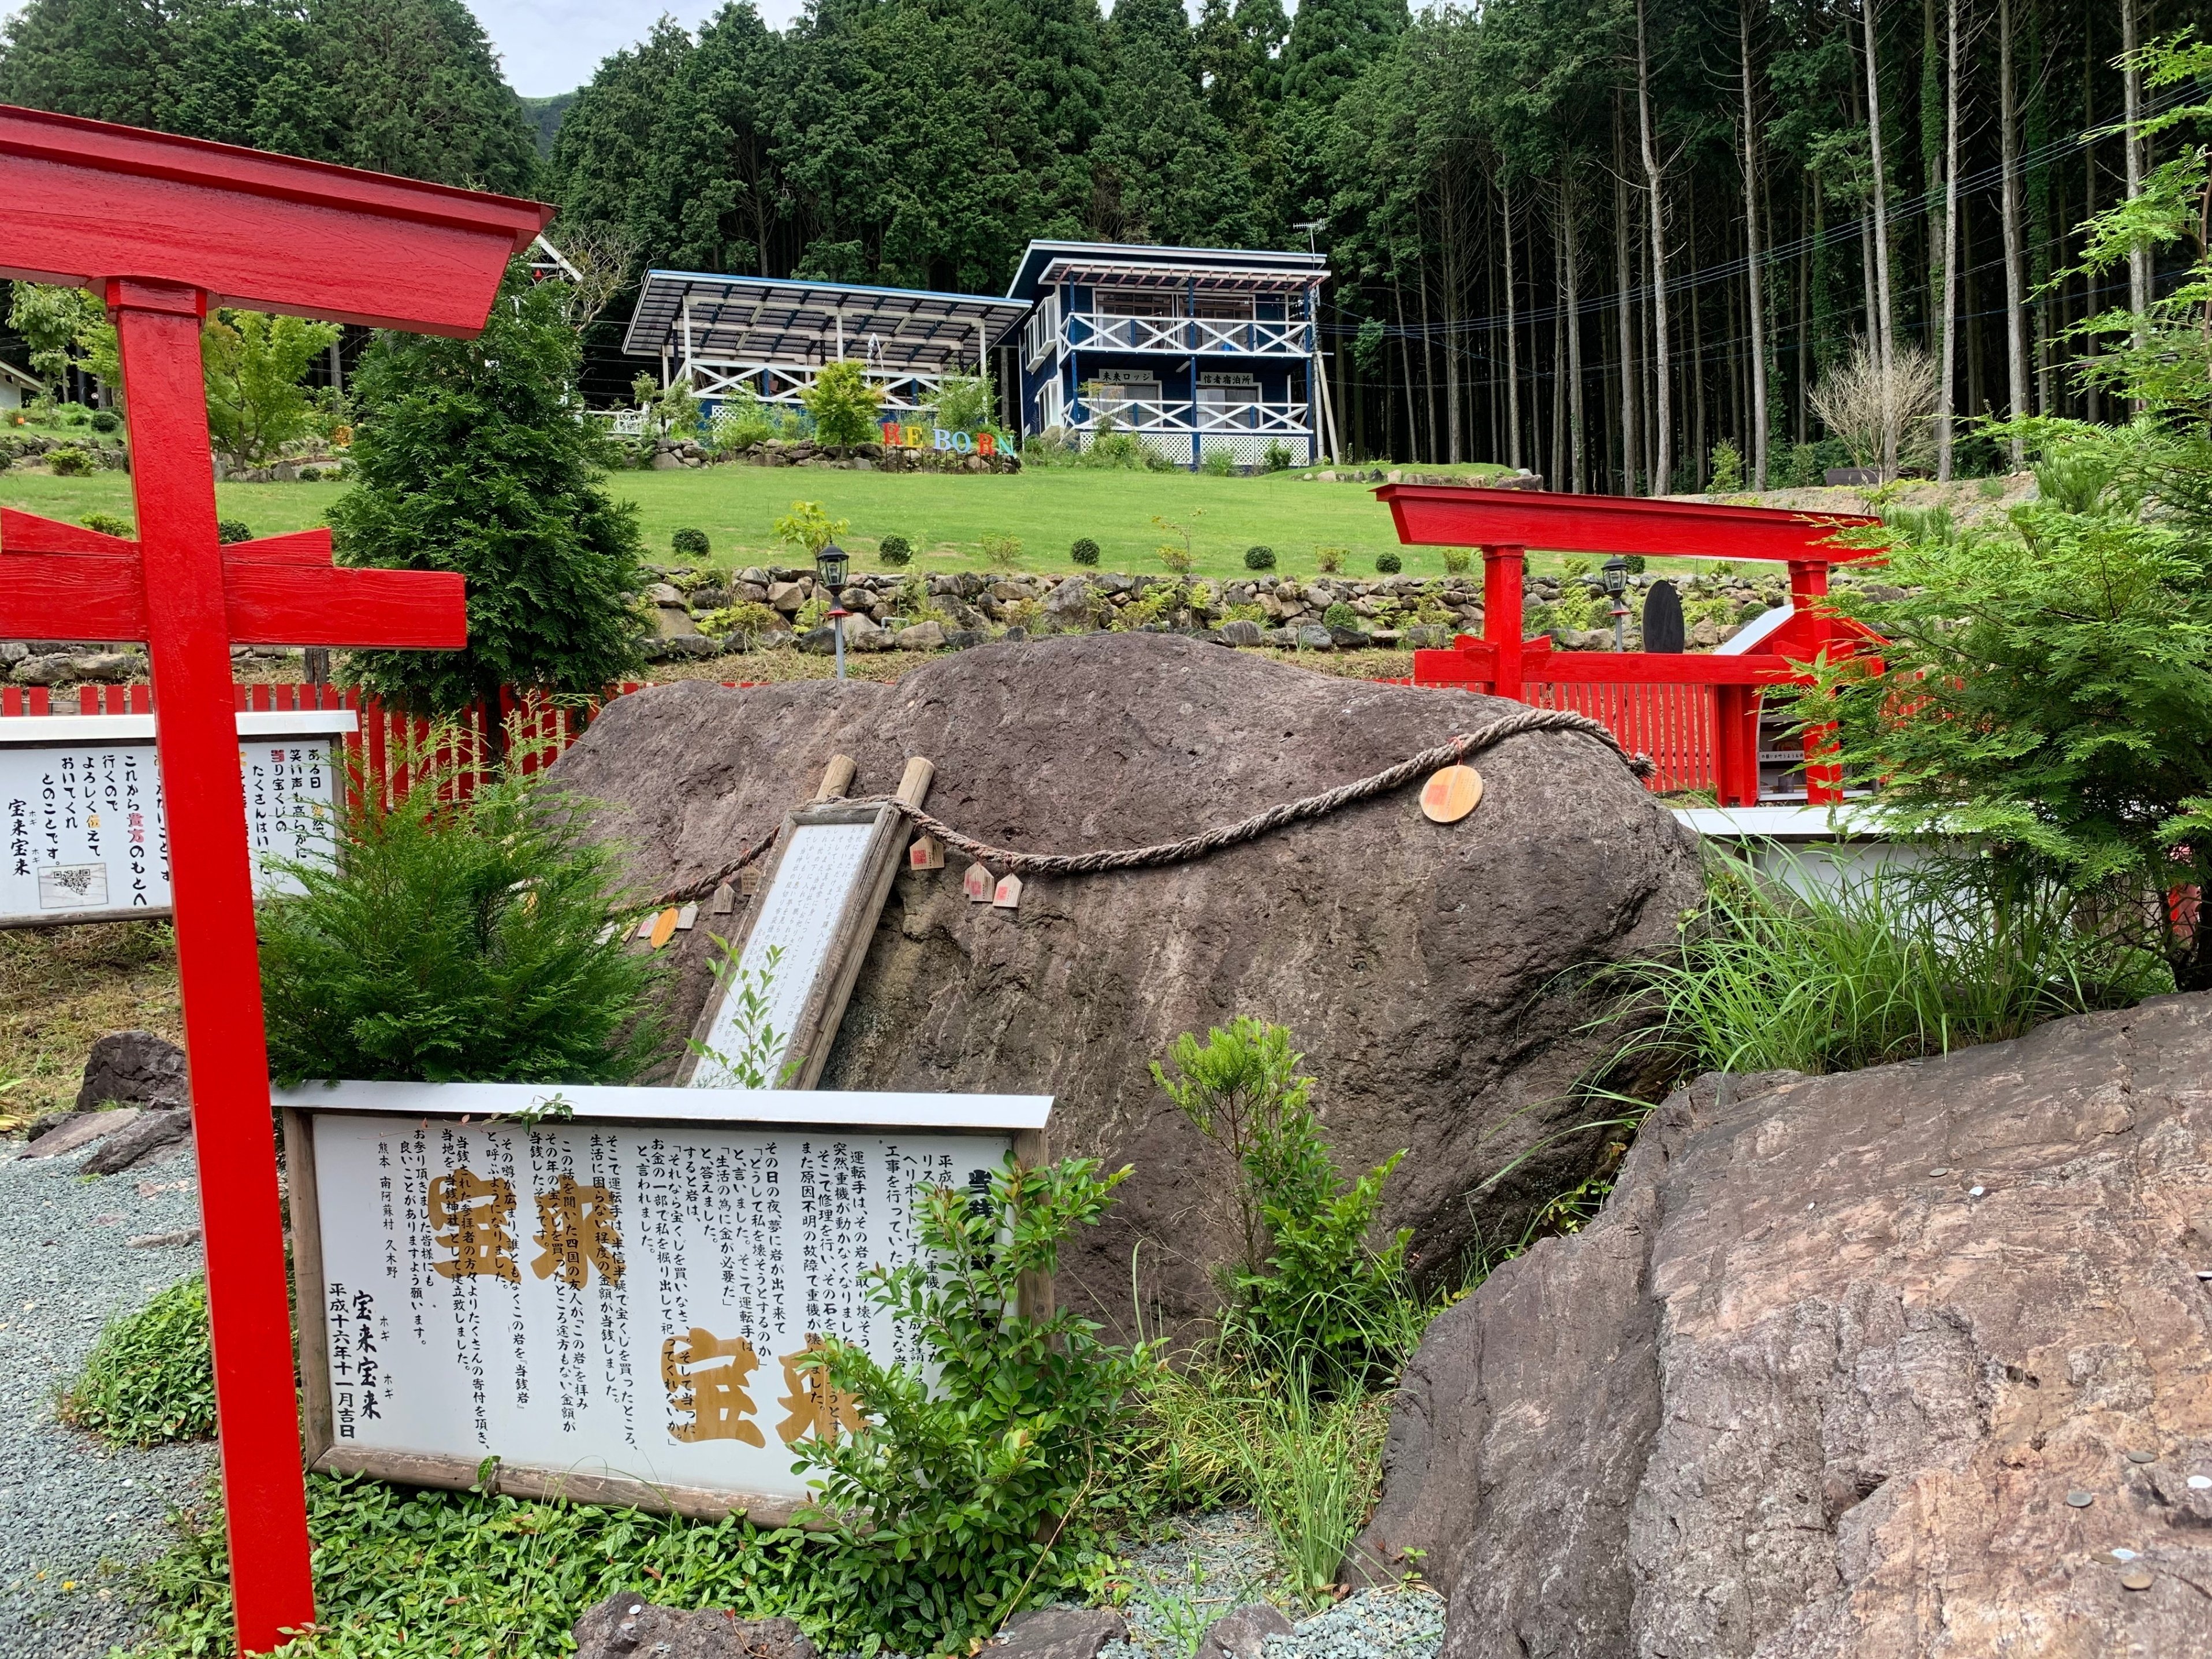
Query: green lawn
pixel 946 516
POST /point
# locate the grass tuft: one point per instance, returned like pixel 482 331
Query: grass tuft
pixel 151 1378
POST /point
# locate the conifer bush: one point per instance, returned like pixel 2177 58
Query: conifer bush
pixel 1388 563
pixel 691 544
pixel 1258 558
pixel 456 938
pixel 1083 550
pixel 895 550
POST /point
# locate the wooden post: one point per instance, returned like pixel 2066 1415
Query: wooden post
pixel 1502 573
pixel 1808 590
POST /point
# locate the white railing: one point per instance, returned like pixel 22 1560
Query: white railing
pixel 1039 333
pixel 1240 336
pixel 621 422
pixel 1147 414
pixel 785 383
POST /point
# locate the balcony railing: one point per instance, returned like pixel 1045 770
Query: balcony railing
pixel 1134 415
pixel 1091 330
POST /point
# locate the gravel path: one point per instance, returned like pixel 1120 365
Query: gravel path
pixel 75 1513
pixel 1214 1564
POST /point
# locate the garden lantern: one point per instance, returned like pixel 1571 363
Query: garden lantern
pixel 831 566
pixel 1615 578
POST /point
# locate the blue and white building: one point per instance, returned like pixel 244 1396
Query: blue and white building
pixel 1196 351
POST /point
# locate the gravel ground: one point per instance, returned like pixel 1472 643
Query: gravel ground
pixel 75 1514
pixel 1216 1563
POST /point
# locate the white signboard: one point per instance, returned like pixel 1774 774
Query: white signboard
pixel 83 836
pixel 611 1307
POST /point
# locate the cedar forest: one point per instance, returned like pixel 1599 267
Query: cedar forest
pixel 1486 179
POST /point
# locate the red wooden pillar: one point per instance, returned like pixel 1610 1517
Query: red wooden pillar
pixel 1808 591
pixel 188 641
pixel 1503 569
pixel 1735 745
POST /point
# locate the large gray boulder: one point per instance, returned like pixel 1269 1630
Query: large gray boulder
pixel 1424 968
pixel 1913 1360
pixel 134 1068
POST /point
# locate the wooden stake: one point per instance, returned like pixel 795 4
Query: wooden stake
pixel 837 779
pixel 914 785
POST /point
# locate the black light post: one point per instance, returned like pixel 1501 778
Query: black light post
pixel 831 566
pixel 1615 578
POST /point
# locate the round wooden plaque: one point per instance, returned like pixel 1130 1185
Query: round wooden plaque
pixel 1451 793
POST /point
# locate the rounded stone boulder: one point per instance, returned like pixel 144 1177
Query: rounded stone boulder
pixel 1430 974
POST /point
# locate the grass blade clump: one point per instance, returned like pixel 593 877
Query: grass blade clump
pixel 458 937
pixel 151 1376
pixel 1900 963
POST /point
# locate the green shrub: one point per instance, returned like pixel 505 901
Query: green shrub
pixel 1218 463
pixel 1330 559
pixel 745 616
pixel 108 525
pixel 742 421
pixel 1724 470
pixel 1001 549
pixel 1904 963
pixel 227 531
pixel 106 420
pixel 951 1506
pixel 1115 449
pixel 151 1375
pixel 1339 615
pixel 457 940
pixel 843 403
pixel 894 550
pixel 1311 1299
pixel 1388 563
pixel 69 462
pixel 1457 560
pixel 1258 558
pixel 1083 550
pixel 1278 457
pixel 691 544
pixel 966 403
pixel 310 474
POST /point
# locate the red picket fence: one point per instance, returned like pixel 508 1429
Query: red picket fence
pixel 1672 723
pixel 388 744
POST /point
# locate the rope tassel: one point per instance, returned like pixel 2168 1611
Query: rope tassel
pixel 1447 753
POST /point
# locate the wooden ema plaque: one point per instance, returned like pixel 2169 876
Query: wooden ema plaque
pixel 610 1307
pixel 820 897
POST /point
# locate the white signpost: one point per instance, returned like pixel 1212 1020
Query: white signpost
pixel 83 836
pixel 607 1290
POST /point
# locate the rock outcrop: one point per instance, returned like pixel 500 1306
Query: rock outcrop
pixel 1422 967
pixel 1912 1360
pixel 627 1625
pixel 134 1068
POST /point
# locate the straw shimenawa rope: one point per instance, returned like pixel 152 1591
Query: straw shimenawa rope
pixel 1450 752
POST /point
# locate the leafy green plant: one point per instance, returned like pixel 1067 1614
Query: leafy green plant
pixel 746 996
pixel 1457 560
pixel 1312 1467
pixel 1177 553
pixel 1312 1297
pixel 742 421
pixel 1340 615
pixel 1258 558
pixel 1083 550
pixel 1724 468
pixel 1218 463
pixel 1389 562
pixel 107 421
pixel 843 403
pixel 691 544
pixel 108 525
pixel 1113 448
pixel 1001 550
pixel 966 403
pixel 69 462
pixel 894 550
pixel 151 1375
pixel 670 411
pixel 954 1503
pixel 255 364
pixel 1907 962
pixel 806 529
pixel 1330 559
pixel 1277 458
pixel 745 616
pixel 227 531
pixel 457 937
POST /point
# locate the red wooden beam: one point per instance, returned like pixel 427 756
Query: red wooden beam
pixel 294 604
pixel 87 201
pixel 1452 515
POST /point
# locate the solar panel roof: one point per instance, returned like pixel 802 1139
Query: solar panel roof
pixel 766 319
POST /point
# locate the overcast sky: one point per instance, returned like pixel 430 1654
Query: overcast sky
pixel 553 45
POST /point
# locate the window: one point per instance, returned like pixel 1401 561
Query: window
pixel 1235 307
pixel 1137 301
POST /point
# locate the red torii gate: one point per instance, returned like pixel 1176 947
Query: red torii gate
pixel 161 227
pixel 1506 523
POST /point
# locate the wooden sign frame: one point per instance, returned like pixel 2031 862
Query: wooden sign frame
pixel 816 1027
pixel 1017 1121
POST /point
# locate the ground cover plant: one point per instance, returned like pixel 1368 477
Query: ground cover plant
pixel 457 938
pixel 60 987
pixel 151 1375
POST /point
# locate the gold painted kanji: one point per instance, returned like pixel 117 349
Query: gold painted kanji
pixel 576 1232
pixel 471 1216
pixel 814 1405
pixel 705 1376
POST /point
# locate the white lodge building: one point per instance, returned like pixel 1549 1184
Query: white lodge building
pixel 1196 351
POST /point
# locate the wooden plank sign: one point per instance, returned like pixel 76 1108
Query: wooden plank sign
pixel 84 831
pixel 612 1305
pixel 824 890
